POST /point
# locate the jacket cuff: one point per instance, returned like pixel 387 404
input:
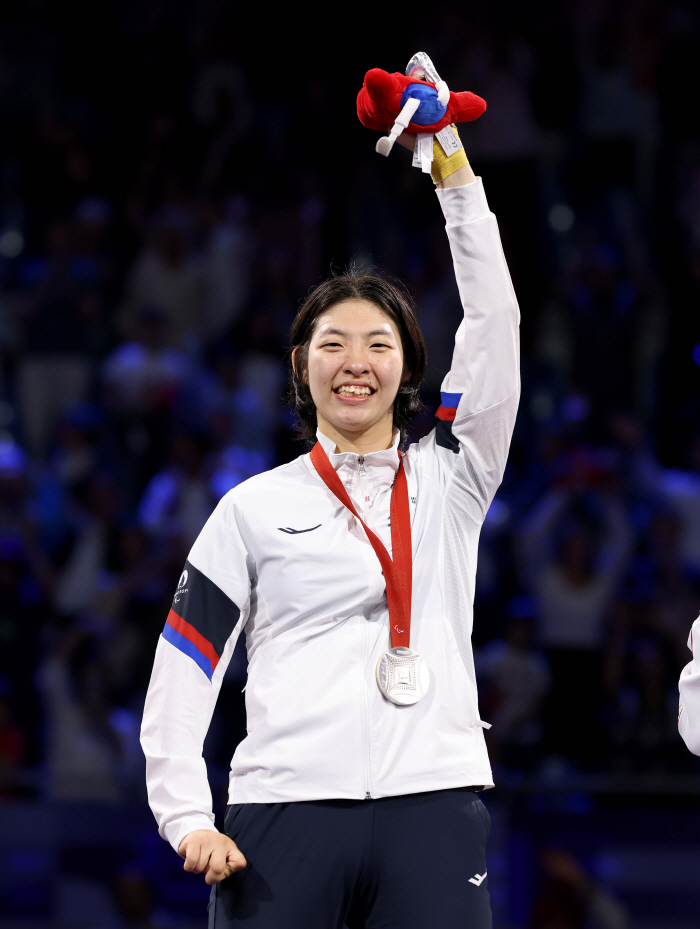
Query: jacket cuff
pixel 463 204
pixel 175 830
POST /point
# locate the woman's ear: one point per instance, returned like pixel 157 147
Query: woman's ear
pixel 295 357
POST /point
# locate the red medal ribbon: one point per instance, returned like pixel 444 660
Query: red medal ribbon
pixel 398 573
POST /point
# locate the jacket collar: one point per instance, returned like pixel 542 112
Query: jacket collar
pixel 381 467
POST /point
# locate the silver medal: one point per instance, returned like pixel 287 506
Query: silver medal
pixel 402 676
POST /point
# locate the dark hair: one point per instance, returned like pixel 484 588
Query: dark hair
pixel 392 300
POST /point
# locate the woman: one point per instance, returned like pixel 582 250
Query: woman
pixel 353 796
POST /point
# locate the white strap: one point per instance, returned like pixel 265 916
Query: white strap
pixel 423 152
pixel 386 143
pixel 443 93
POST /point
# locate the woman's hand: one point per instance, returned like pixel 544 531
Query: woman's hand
pixel 211 852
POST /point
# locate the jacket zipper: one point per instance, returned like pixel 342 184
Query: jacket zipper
pixel 366 735
pixel 362 473
pixel 367 762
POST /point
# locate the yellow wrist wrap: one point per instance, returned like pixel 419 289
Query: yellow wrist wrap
pixel 444 166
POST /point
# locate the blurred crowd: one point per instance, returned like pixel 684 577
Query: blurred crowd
pixel 167 197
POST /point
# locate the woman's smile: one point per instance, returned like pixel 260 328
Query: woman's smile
pixel 354 393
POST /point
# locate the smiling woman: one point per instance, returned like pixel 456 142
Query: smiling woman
pixel 351 570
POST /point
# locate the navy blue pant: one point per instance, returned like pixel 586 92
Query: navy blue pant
pixel 410 862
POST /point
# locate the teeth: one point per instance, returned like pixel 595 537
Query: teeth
pixel 352 391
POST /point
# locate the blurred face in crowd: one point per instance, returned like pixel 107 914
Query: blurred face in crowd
pixel 576 555
pixel 354 370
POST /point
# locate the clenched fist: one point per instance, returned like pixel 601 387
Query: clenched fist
pixel 211 852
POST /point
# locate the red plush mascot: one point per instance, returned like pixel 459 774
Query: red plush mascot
pixel 418 101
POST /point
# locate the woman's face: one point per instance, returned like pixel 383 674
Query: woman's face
pixel 354 369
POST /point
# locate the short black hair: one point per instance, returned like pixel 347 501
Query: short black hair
pixel 391 299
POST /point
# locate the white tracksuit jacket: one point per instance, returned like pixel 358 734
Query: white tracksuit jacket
pixel 689 687
pixel 283 559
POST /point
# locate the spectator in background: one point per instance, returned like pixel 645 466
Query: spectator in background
pixel 249 385
pixel 58 168
pixel 502 68
pixel 233 412
pixel 258 409
pixel 83 576
pixel 633 460
pixel 167 275
pixel 610 111
pixel 56 367
pixel 673 582
pixel 144 374
pixel 84 750
pixel 17 513
pixel 225 265
pixel 222 106
pixel 494 582
pixel 94 248
pixel 644 731
pixel 75 452
pixel 516 679
pixel 141 380
pixel 141 585
pixel 574 559
pixel 603 307
pixel 506 140
pixel 178 500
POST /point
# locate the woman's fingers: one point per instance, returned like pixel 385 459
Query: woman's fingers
pixel 212 852
pixel 236 859
pixel 218 868
pixel 224 862
pixel 192 855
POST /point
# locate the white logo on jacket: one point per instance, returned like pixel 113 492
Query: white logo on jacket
pixel 181 589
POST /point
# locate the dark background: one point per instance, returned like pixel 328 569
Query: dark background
pixel 174 177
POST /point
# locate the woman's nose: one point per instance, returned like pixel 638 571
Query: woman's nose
pixel 356 366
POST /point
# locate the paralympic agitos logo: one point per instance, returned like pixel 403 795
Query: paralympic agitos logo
pixel 181 589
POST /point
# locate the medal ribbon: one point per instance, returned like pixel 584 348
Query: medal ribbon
pixel 398 573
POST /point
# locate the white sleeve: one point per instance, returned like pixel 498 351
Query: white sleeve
pixel 689 688
pixel 480 393
pixel 209 610
pixel 467 451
